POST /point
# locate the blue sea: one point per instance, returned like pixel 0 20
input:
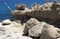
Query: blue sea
pixel 5 15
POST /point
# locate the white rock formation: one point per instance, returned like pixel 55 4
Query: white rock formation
pixel 37 30
pixel 58 30
pixel 32 27
pixel 32 22
pixel 18 37
pixel 6 22
pixel 12 31
pixel 29 24
pixel 58 38
pixel 24 37
pixel 49 32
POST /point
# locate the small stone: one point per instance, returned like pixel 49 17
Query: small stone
pixel 20 7
pixel 6 22
pixel 8 36
pixel 2 28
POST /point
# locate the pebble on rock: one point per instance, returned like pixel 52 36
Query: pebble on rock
pixel 6 22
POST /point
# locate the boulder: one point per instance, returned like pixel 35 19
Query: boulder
pixel 32 22
pixel 29 24
pixel 58 30
pixel 6 22
pixel 15 11
pixel 58 38
pixel 49 32
pixel 18 21
pixel 20 7
pixel 36 30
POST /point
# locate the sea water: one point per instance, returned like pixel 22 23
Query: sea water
pixel 5 15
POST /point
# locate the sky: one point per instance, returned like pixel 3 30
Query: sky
pixel 12 3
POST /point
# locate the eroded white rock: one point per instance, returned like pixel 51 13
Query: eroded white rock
pixel 37 30
pixel 6 22
pixel 30 23
pixel 49 32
